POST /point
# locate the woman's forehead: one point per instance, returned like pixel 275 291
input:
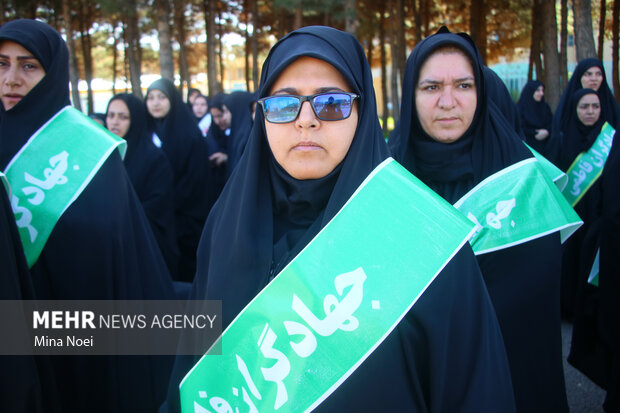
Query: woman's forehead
pixel 308 72
pixel 589 98
pixel 9 46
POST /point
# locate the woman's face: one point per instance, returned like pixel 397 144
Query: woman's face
pixel 310 148
pixel 539 93
pixel 445 96
pixel 20 71
pixel 592 78
pixel 157 103
pixel 222 118
pixel 589 109
pixel 192 96
pixel 199 107
pixel 118 118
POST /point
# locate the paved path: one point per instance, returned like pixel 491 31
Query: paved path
pixel 583 395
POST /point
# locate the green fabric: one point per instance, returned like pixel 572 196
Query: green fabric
pixel 51 171
pixel 516 205
pixel 324 314
pixel 588 166
pixel 593 277
pixel 553 172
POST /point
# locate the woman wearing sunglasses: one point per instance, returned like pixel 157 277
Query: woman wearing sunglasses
pixel 315 139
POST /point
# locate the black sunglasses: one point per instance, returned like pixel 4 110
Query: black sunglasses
pixel 326 106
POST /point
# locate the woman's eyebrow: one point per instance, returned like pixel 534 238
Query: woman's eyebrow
pixel 293 91
pixel 440 82
pixel 26 57
pixel 429 82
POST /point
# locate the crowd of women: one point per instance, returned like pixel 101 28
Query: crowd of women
pixel 226 191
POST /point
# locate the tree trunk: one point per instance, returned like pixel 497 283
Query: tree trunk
pixel 369 45
pixel 126 58
pixel 74 76
pixel 601 30
pixel 255 23
pixel 114 58
pixel 209 9
pixel 551 77
pixel 351 21
pixel 426 17
pixel 417 21
pixel 299 14
pixel 134 54
pixel 614 50
pixel 326 18
pixel 85 16
pixel 584 37
pixel 534 41
pixel 401 42
pixel 179 22
pixel 478 26
pixel 384 91
pixel 166 60
pixel 220 50
pixel 394 69
pixel 535 60
pixel 564 44
pixel 246 44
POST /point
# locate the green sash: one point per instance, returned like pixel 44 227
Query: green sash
pixel 593 277
pixel 51 170
pixel 306 332
pixel 553 172
pixel 588 166
pixel 516 205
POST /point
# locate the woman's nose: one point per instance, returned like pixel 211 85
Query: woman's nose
pixel 307 118
pixel 446 99
pixel 10 76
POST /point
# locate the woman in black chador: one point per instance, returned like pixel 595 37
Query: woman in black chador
pixel 148 169
pixel 101 247
pixel 452 137
pixel 609 282
pixel 578 137
pixel 589 74
pixel 200 110
pixel 175 131
pixel 536 117
pixel 592 349
pixel 26 382
pixel 233 116
pixel 446 354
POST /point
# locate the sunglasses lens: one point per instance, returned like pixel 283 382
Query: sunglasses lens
pixel 332 106
pixel 281 109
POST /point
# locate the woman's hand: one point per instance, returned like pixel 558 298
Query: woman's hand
pixel 218 158
pixel 541 134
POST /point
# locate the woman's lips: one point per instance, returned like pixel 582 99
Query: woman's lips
pixel 13 96
pixel 307 146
